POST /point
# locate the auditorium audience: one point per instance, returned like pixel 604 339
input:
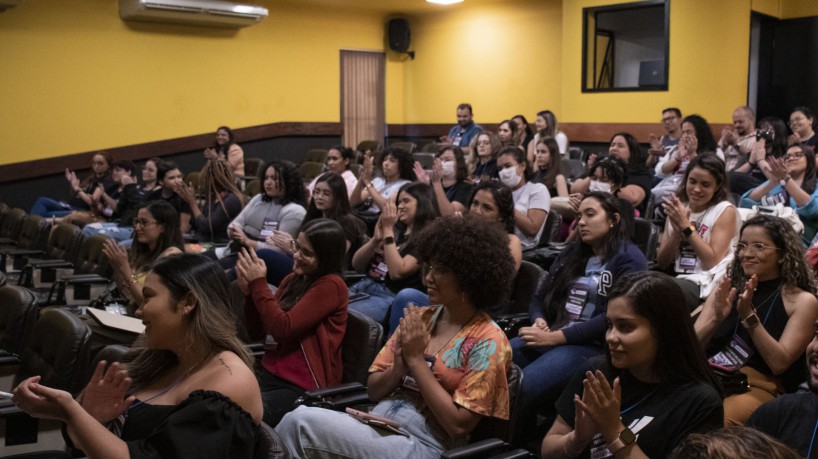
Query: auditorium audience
pixel 389 258
pixel 701 227
pixel 370 195
pixel 507 132
pixel 445 368
pixel 524 134
pixel 531 200
pixel 483 156
pixel 802 123
pixel 338 160
pixel 305 320
pixel 791 182
pixel 567 311
pixel 223 201
pixel 186 389
pixel 226 149
pixel 771 141
pixel 104 208
pixel 662 147
pixel 737 139
pixel 760 318
pixel 547 168
pixel 732 442
pixel 651 390
pixel 449 179
pixel 85 194
pixel 546 123
pixel 170 178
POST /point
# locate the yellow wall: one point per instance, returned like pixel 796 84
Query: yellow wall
pixel 503 58
pixel 708 65
pixel 798 8
pixel 74 77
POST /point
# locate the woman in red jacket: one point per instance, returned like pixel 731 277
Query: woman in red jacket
pixel 304 320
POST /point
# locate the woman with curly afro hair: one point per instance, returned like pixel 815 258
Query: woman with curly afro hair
pixel 446 366
pixel 766 304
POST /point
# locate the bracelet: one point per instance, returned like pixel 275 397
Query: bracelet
pixel 134 279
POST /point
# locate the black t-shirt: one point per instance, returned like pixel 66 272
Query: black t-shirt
pixel 640 177
pixel 459 192
pixel 790 418
pixel 406 246
pixel 174 200
pixel 487 171
pixel 660 415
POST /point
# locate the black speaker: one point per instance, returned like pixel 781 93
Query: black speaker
pixel 399 36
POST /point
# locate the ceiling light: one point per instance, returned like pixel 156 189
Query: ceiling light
pixel 444 2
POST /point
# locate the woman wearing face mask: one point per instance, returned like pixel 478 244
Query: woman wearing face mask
pixel 483 156
pixel 306 317
pixel 802 123
pixel 638 179
pixel 567 310
pixel 652 390
pixel 388 259
pixel 791 182
pixel 761 318
pixel 449 180
pixel 701 227
pixel 226 149
pixel 532 202
pixel 338 160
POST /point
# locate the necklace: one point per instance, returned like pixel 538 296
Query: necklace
pixel 159 394
pixel 437 321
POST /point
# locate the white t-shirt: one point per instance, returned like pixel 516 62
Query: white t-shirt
pixel 385 189
pixel 349 179
pixel 531 196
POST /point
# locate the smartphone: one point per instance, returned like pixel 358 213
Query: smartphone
pixel 357 297
pixel 371 419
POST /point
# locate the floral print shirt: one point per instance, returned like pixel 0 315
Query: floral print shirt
pixel 472 366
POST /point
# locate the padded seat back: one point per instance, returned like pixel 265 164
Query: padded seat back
pixel 525 284
pixel 58 350
pixel 316 155
pixel 252 166
pixel 361 344
pixel 64 242
pixel 269 445
pixel 33 233
pixel 4 209
pixel 18 313
pixel 408 146
pixel 551 228
pixel 310 170
pixel 110 354
pixel 572 169
pixel 489 427
pixel 91 259
pixel 13 223
pixel 646 237
pixel 367 145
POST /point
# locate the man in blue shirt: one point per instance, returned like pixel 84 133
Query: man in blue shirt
pixel 466 129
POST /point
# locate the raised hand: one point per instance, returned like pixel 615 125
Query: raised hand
pixel 250 266
pixel 414 335
pixel 601 402
pixel 725 296
pixel 105 397
pixel 421 173
pixel 744 306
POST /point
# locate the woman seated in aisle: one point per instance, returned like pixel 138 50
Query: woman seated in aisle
pixel 568 309
pixel 226 149
pixel 651 390
pixel 271 219
pixel 449 179
pixel 532 202
pixel 156 235
pixel 370 195
pixel 187 388
pixel 547 126
pixel 701 227
pixel 771 141
pixel 791 182
pixel 305 320
pixel 339 158
pixel 223 201
pixel 330 201
pixel 638 179
pixel 770 292
pixel 443 370
pixel 493 202
pixel 802 123
pixel 389 258
pixel 483 156
pixel 84 194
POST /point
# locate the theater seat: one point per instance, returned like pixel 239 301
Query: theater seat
pixel 18 313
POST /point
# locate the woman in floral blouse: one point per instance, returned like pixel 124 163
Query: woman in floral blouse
pixel 443 370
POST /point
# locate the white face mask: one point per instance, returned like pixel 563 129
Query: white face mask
pixel 596 185
pixel 448 168
pixel 509 177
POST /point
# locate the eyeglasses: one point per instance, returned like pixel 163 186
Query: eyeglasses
pixel 755 247
pixel 790 156
pixel 306 254
pixel 142 222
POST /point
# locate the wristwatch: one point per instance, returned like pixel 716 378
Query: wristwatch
pixel 625 438
pixel 388 240
pixel 688 231
pixel 750 322
pixel 785 180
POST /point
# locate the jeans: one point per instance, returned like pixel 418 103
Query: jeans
pixel 403 299
pixel 279 265
pixel 118 233
pixel 47 207
pixel 547 369
pixel 378 303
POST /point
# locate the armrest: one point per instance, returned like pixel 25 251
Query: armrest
pixel 50 264
pixel 515 454
pixel 482 448
pixel 16 252
pixel 351 277
pixel 340 403
pixel 7 241
pixel 334 391
pixel 8 358
pixel 257 349
pixel 86 279
pixel 335 398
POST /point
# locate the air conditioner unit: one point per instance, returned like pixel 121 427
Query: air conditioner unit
pixel 8 4
pixel 206 13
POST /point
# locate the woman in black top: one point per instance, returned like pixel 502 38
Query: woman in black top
pixel 764 308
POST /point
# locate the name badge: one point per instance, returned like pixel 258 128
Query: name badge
pixel 599 448
pixel 732 356
pixel 577 297
pixel 378 268
pixel 408 381
pixel 268 228
pixel 687 257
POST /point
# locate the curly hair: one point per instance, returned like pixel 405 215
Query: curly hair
pixel 503 200
pixel 290 179
pixel 730 442
pixel 477 254
pixel 793 267
pixel 614 169
pixel 706 143
pixel 406 163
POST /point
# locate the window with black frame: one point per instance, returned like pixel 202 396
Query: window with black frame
pixel 625 47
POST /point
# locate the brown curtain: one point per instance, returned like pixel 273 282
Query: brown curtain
pixel 363 96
